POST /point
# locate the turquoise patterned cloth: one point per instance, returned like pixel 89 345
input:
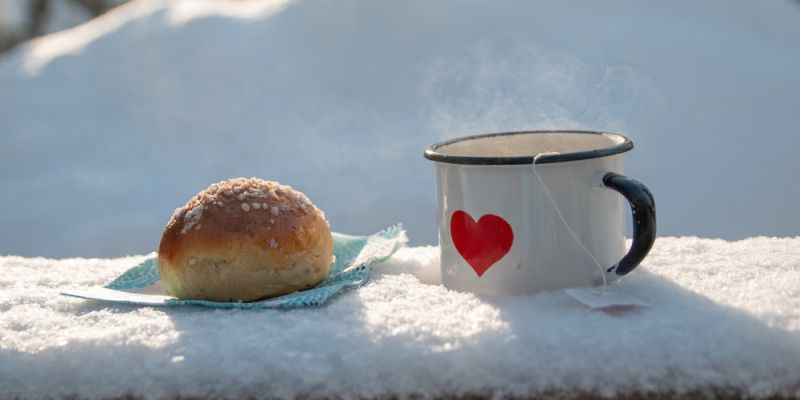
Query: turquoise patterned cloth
pixel 354 258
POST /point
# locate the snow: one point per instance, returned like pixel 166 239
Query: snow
pixel 724 318
pixel 109 126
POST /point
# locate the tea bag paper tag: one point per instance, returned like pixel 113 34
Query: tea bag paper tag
pixel 607 300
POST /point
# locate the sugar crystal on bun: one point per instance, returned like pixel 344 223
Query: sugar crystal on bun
pixel 244 240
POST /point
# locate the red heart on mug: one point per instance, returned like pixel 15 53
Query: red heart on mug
pixel 481 243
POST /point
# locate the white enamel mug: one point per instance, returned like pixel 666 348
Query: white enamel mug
pixel 499 232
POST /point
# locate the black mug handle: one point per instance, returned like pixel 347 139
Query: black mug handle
pixel 643 208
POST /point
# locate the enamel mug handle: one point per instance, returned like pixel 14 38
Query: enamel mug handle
pixel 643 208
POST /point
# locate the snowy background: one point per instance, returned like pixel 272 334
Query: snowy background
pixel 107 127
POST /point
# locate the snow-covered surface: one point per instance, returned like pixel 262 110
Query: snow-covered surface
pixel 108 127
pixel 725 317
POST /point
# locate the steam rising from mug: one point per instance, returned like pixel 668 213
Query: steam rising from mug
pixel 493 86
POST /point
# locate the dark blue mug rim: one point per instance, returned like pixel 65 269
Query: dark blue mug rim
pixel 432 153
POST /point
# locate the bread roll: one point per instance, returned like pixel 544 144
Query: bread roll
pixel 244 240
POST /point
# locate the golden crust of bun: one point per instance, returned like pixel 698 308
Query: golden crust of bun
pixel 244 240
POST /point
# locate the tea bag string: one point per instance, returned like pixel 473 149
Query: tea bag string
pixel 561 217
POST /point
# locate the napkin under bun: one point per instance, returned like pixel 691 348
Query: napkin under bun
pixel 244 240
